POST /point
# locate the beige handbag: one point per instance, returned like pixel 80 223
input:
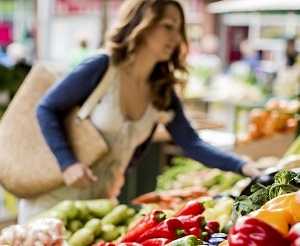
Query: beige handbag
pixel 27 166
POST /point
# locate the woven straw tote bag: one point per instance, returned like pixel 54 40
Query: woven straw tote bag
pixel 28 168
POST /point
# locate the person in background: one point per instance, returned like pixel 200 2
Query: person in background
pixel 14 71
pixel 5 60
pixel 18 53
pixel 291 52
pixel 250 56
pixel 80 53
pixel 287 81
pixel 146 48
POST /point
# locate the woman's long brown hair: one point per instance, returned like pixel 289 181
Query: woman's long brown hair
pixel 136 17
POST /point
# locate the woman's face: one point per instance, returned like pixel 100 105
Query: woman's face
pixel 163 38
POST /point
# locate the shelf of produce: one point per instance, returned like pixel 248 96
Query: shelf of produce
pixel 220 139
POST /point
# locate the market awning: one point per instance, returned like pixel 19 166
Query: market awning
pixel 226 6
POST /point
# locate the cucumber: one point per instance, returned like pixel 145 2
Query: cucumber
pixel 83 211
pixel 118 215
pixel 101 207
pixel 95 225
pixel 67 208
pixel 83 237
pixel 109 233
pixel 75 225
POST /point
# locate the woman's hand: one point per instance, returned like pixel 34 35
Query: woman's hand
pixel 248 169
pixel 79 176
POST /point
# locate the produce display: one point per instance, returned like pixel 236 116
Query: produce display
pixel 187 179
pixel 187 226
pixel 170 199
pixel 186 173
pixel 191 206
pixel 278 116
pixel 266 213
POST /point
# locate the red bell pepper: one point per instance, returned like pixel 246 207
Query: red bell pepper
pixel 156 242
pixel 144 225
pixel 129 244
pixel 250 231
pixel 212 227
pixel 192 224
pixel 190 221
pixel 294 235
pixel 171 229
pixel 195 231
pixel 191 208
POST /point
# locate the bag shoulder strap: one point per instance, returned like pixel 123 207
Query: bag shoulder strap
pixel 97 94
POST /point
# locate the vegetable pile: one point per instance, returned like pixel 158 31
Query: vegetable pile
pixel 185 173
pixel 278 116
pixel 88 221
pixel 186 227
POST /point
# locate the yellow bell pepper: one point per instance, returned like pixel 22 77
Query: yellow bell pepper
pixel 289 202
pixel 280 212
pixel 278 219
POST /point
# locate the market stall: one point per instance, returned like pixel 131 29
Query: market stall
pixel 191 205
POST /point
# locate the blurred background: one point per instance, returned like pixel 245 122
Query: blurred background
pixel 247 44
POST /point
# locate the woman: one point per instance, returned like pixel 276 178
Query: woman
pixel 146 47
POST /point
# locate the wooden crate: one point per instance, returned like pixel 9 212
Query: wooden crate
pixel 275 145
